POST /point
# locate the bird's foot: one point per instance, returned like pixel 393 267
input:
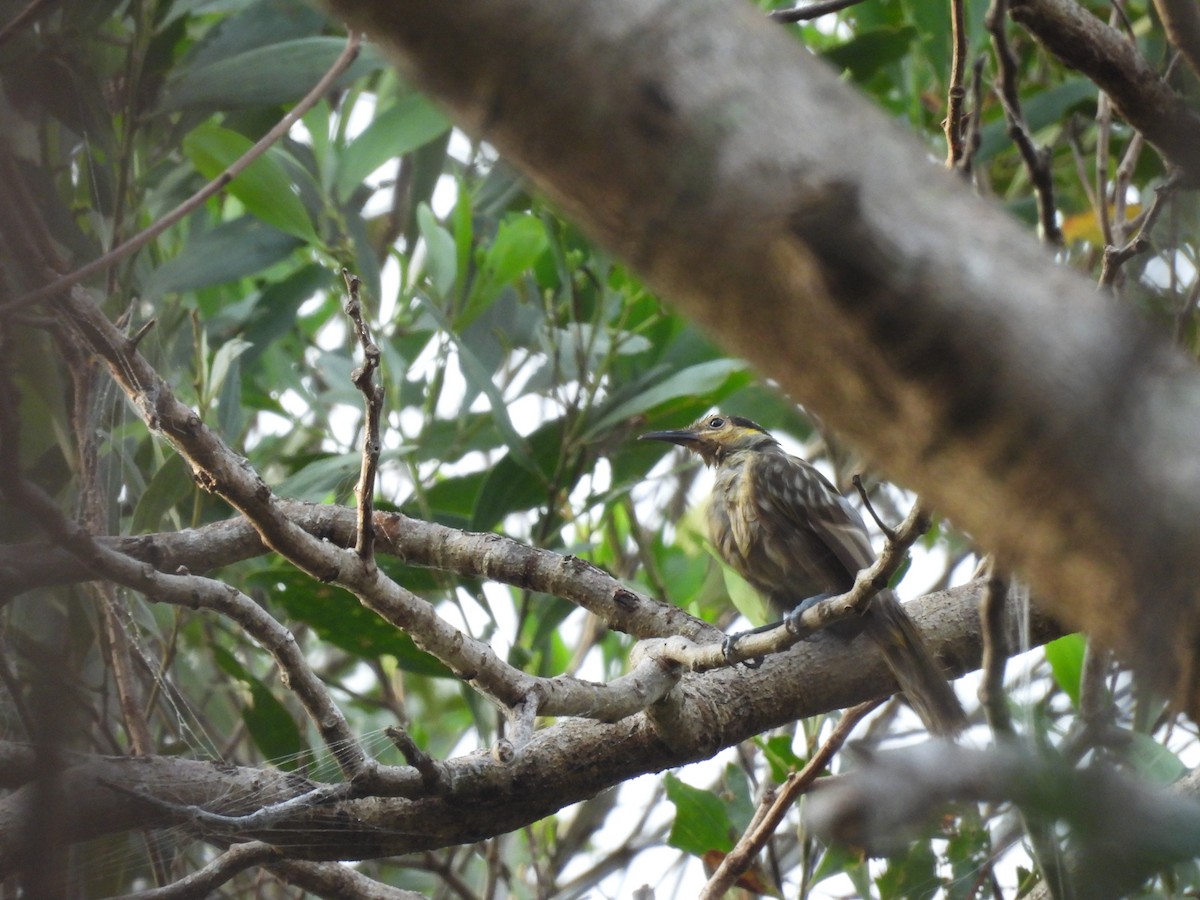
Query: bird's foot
pixel 728 650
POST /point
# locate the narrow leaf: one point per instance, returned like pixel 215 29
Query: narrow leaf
pixel 264 187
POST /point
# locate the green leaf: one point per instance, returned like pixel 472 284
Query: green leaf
pixel 869 51
pixel 337 617
pixel 411 123
pixel 839 860
pixel 551 611
pixel 451 500
pixel 701 821
pixel 253 26
pixel 264 187
pixel 265 76
pixel 513 484
pixel 230 251
pixel 746 599
pixel 270 724
pixel 335 474
pixel 781 757
pixel 229 664
pixel 1043 109
pixel 1153 761
pixel 274 730
pixel 1065 656
pixel 224 357
pixel 694 381
pixel 519 241
pixel 911 874
pixel 170 484
pixel 441 257
pixel 738 797
pixel 275 312
pixel 479 378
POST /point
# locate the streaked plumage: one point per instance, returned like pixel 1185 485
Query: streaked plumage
pixel 783 527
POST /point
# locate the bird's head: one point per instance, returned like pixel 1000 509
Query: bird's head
pixel 715 437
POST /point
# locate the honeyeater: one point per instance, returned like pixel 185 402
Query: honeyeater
pixel 779 523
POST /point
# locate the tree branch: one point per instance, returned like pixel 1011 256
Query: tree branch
pixel 479 796
pixel 1133 829
pixel 1181 18
pixel 1114 63
pixel 417 542
pixel 749 196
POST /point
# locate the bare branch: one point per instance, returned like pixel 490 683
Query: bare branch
pixel 429 544
pixel 812 10
pixel 957 92
pixel 364 379
pixel 1116 257
pixel 209 878
pixel 336 882
pixel 1181 18
pixel 478 794
pixel 828 235
pixel 1037 159
pixel 992 697
pixel 1133 828
pixel 1108 58
pixel 775 805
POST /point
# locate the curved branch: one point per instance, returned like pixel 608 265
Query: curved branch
pixel 791 219
pixel 1113 62
pixel 478 796
pixel 417 542
pixel 1181 18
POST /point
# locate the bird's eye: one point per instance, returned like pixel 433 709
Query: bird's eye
pixel 716 422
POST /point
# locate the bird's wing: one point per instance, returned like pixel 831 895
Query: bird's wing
pixel 804 497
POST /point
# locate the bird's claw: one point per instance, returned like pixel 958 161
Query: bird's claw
pixel 727 650
pixel 792 620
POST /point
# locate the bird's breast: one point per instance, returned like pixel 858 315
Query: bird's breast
pixel 734 523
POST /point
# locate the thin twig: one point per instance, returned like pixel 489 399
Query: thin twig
pixel 1116 257
pixel 1036 159
pixel 207 880
pixel 974 136
pixel 887 531
pixel 1096 708
pixel 811 10
pixel 18 21
pixel 995 706
pixel 364 379
pixel 1103 148
pixel 347 56
pixel 995 656
pixel 433 772
pixel 773 808
pixel 1186 310
pixel 181 590
pixel 1181 20
pixel 957 92
pixel 1089 189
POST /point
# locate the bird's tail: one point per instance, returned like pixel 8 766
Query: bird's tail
pixel 909 658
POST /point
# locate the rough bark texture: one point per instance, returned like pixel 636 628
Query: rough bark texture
pixel 779 209
pixel 480 798
pixel 1110 59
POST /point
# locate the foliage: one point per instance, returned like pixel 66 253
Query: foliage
pixel 519 364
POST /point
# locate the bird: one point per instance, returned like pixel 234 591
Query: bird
pixel 781 525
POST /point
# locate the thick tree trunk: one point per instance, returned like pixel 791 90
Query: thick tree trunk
pixel 808 234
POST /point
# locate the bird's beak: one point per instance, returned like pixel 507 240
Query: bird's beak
pixel 682 437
